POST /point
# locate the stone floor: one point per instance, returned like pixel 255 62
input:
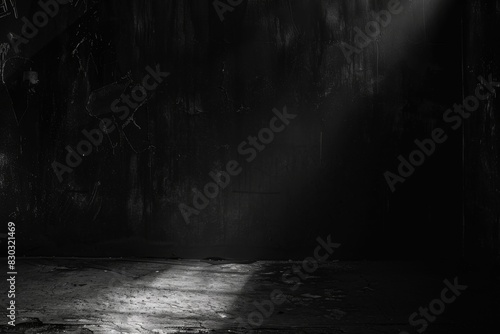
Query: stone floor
pixel 216 296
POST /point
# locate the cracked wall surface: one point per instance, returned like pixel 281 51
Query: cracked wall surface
pixel 323 174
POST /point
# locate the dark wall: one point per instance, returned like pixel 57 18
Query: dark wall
pixel 322 175
pixel 482 180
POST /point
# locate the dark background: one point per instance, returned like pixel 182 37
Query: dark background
pixel 323 175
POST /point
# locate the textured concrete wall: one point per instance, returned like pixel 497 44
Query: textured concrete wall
pixel 322 175
pixel 482 142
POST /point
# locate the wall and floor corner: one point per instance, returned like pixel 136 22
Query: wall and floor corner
pixel 250 166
